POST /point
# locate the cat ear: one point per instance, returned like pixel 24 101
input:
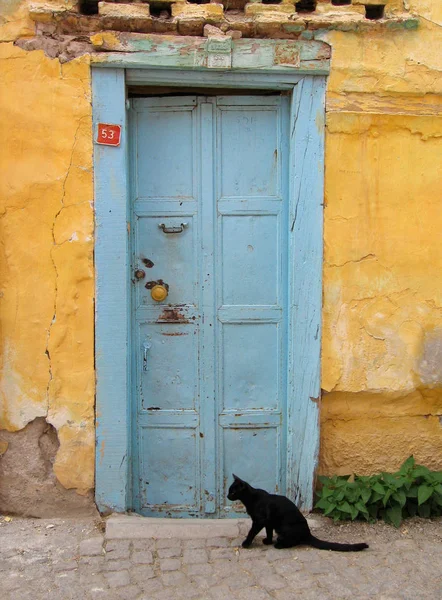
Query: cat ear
pixel 235 477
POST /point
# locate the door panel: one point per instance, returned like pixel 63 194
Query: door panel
pixel 166 365
pixel 248 150
pixel 209 375
pixel 168 257
pixel 255 445
pixel 250 384
pixel 165 161
pixel 249 259
pixel 169 465
pixel 251 299
pixel 165 383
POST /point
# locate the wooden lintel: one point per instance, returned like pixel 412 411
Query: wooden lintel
pixel 187 52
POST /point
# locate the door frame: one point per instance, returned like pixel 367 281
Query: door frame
pixel 307 87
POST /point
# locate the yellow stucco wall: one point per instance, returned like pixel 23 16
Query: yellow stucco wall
pixel 46 255
pixel 382 332
pixel 382 315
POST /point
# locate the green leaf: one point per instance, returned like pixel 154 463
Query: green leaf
pixel 354 512
pixel 400 497
pixel 341 483
pixel 324 480
pixel 377 487
pixel 352 495
pixel 394 514
pixel 392 496
pixel 390 479
pixel 437 499
pixel 423 493
pixel 330 509
pixel 363 478
pixel 387 497
pixel 365 495
pixel 361 508
pixel 345 507
pixel 402 482
pixel 412 492
pixel 323 503
pixel 375 497
pixel 407 465
pixel 327 492
pixel 421 471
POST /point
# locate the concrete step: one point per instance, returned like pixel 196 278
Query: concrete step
pixel 120 526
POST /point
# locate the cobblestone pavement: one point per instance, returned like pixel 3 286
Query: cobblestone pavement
pixel 72 559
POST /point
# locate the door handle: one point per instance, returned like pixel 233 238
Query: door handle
pixel 177 229
pixel 146 347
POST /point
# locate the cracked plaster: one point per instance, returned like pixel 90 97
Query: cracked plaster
pixel 47 256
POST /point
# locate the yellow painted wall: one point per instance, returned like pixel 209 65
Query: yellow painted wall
pixel 382 332
pixel 46 252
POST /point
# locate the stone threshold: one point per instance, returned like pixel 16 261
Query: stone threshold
pixel 134 527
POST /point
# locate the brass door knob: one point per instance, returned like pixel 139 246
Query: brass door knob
pixel 159 292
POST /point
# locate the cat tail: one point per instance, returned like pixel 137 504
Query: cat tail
pixel 313 541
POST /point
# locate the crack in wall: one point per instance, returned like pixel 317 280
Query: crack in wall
pixel 356 260
pixel 438 24
pixel 54 316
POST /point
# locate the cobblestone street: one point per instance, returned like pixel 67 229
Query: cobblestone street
pixel 75 559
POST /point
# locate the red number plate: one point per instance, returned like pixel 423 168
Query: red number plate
pixel 109 135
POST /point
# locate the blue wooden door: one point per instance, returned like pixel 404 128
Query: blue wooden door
pixel 209 228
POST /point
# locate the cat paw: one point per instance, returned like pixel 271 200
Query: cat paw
pixel 279 545
pixel 246 544
pixel 267 542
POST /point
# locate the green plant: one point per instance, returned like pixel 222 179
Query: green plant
pixel 413 490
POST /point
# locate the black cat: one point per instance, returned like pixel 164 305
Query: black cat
pixel 280 514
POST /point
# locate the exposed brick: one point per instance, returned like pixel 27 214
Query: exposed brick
pixel 133 10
